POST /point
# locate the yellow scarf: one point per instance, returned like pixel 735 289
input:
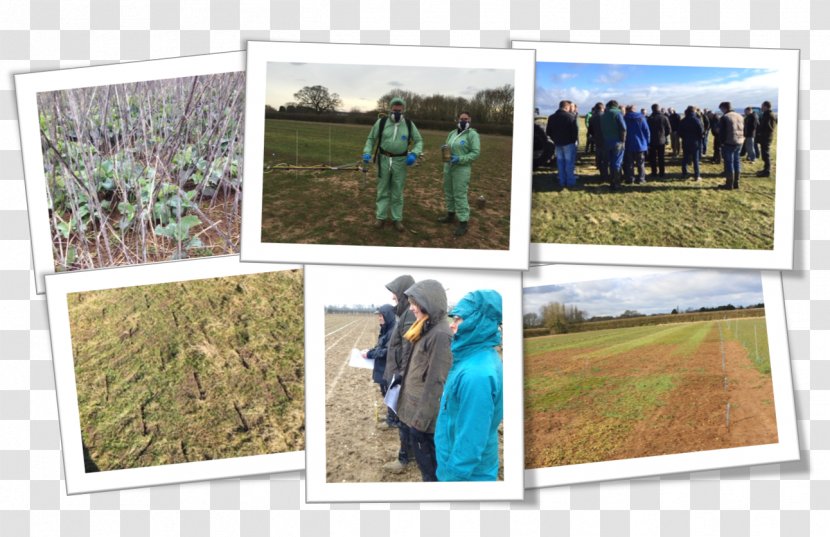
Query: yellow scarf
pixel 415 331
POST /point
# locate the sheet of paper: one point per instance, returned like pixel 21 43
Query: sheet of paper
pixel 357 360
pixel 391 397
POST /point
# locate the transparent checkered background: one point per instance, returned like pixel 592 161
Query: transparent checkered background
pixel 789 499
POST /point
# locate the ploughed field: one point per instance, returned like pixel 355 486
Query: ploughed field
pixel 643 391
pixel 338 207
pixel 665 211
pixel 190 371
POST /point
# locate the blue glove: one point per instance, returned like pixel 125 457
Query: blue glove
pixel 411 158
pixel 367 157
pixel 454 159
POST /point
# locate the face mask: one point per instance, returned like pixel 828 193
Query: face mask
pixel 463 125
pixel 396 116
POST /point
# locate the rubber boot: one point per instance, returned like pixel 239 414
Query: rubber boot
pixel 728 184
pixel 450 217
pixel 461 229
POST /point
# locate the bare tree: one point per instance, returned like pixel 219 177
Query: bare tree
pixel 318 98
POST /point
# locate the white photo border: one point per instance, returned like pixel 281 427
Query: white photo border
pixel 28 85
pixel 787 61
pixel 508 284
pixel 785 450
pixel 261 53
pixel 77 480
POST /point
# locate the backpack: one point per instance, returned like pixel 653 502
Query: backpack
pixel 380 135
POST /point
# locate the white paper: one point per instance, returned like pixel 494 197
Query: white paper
pixel 391 397
pixel 356 359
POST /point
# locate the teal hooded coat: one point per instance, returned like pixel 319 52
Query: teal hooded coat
pixel 466 431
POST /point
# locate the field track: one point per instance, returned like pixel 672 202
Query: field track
pixel 356 448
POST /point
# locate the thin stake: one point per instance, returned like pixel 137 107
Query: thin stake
pixel 757 357
pixel 329 145
pixel 728 408
pixel 297 154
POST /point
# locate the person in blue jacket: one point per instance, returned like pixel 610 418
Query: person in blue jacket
pixel 636 144
pixel 466 430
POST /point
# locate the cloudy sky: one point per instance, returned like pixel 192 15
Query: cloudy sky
pixel 360 86
pixel 641 85
pixel 652 293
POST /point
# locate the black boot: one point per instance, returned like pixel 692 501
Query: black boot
pixel 450 217
pixel 461 229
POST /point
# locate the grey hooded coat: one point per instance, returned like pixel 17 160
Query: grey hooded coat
pixel 399 347
pixel 429 360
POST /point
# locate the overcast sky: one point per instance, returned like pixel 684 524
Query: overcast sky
pixel 652 293
pixel 641 85
pixel 360 86
pixel 367 285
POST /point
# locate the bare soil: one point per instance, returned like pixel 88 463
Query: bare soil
pixel 691 416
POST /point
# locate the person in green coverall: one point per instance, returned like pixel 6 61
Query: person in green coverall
pixel 397 148
pixel 465 147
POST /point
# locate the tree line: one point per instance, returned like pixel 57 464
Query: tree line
pixel 560 318
pixel 492 105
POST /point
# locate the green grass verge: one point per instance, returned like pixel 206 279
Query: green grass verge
pixel 752 334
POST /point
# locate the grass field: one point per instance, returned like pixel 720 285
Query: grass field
pixel 338 207
pixel 649 390
pixel 190 371
pixel 667 211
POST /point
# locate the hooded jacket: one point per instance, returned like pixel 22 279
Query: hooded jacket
pixel 379 352
pixel 398 348
pixel 638 135
pixel 429 360
pixel 466 433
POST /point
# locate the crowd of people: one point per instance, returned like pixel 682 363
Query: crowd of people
pixel 395 144
pixel 623 139
pixel 448 377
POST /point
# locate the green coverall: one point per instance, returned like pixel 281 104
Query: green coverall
pixel 467 147
pixel 392 170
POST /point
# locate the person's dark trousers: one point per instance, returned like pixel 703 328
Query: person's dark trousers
pixel 601 159
pixel 615 153
pixel 765 145
pixel 716 150
pixel 422 447
pixel 634 163
pixel 404 450
pixel 691 156
pixel 657 159
pixel 705 142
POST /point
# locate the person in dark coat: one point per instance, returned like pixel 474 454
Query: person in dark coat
pixel 674 121
pixel 397 354
pixel 690 131
pixel 636 145
pixel 595 128
pixel 563 129
pixel 426 371
pixel 750 127
pixel 703 116
pixel 660 130
pixel 543 147
pixel 764 135
pixel 378 353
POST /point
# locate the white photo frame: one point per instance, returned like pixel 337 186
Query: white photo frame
pixel 77 480
pixel 28 85
pixel 786 449
pixel 786 61
pixel 321 289
pixel 261 53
